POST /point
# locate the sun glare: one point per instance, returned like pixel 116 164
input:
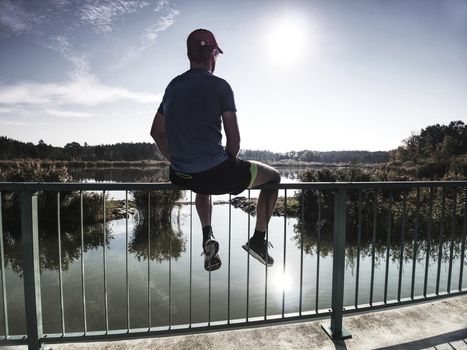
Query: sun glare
pixel 286 40
pixel 281 281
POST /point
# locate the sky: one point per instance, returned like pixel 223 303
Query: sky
pixel 317 75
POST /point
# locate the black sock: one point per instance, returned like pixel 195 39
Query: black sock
pixel 207 230
pixel 260 235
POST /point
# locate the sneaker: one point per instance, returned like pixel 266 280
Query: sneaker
pixel 212 261
pixel 258 249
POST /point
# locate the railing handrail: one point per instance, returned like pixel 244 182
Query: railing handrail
pixel 122 186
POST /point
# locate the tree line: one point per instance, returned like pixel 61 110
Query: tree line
pixel 11 149
pixel 14 150
pixel 437 143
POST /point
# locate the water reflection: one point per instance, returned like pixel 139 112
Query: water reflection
pixel 165 223
pixel 48 226
pixel 156 240
pixel 282 281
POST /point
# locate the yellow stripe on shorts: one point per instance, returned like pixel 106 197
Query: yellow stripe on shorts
pixel 253 172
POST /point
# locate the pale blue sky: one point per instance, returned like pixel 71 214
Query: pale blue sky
pixel 318 75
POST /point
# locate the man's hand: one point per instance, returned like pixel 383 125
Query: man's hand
pixel 231 132
pixel 159 135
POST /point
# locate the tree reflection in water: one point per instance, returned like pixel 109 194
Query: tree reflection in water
pixel 154 226
pixel 70 228
pixel 372 214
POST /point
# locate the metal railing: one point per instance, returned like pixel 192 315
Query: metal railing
pixel 376 199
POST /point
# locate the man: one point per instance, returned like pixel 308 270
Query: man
pixel 187 130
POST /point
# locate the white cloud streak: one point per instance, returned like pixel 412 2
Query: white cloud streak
pixel 18 123
pixel 102 17
pixel 103 14
pixel 67 114
pixel 83 90
pixel 5 110
pixel 149 37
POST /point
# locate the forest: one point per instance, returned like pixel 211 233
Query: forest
pixel 436 152
pixel 16 150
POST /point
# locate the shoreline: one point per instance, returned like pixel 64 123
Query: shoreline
pixel 160 163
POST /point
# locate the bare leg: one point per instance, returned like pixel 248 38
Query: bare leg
pixel 204 208
pixel 267 198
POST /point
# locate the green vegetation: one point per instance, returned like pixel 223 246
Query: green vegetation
pixel 438 152
pixel 11 149
pixel 77 155
pixel 434 215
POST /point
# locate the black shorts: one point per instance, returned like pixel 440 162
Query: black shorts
pixel 231 176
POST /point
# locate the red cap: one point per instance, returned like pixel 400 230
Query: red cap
pixel 200 38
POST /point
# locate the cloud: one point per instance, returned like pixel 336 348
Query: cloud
pixel 103 14
pixel 82 90
pixel 18 123
pixel 147 40
pixel 58 24
pixel 16 19
pixel 161 25
pixel 67 114
pixel 5 110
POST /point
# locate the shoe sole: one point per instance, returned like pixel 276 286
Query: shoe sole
pixel 255 255
pixel 212 248
pixel 213 267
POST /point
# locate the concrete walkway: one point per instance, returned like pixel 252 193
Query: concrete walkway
pixel 441 324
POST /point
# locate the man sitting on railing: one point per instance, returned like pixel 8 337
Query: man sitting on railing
pixel 187 130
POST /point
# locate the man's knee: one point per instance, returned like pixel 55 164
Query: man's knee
pixel 266 174
pixel 276 176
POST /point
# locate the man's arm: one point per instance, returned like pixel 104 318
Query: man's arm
pixel 231 132
pixel 159 135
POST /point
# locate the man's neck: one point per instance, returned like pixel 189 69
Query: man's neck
pixel 204 65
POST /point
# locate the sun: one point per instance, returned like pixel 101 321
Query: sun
pixel 286 40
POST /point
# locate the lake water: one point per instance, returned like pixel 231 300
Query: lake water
pixel 180 291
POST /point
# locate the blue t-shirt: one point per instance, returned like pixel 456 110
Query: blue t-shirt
pixel 192 106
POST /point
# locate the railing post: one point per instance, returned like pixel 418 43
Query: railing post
pixel 336 330
pixel 31 269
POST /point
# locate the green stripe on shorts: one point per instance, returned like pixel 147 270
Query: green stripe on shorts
pixel 253 172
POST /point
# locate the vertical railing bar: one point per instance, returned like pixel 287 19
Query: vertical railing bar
pixel 2 271
pixel 170 281
pixel 191 252
pixel 210 280
pixel 402 243
pixel 318 252
pixel 428 241
pixel 373 248
pixel 60 269
pixel 266 277
pixel 415 244
pixel 285 251
pixel 106 306
pixel 440 238
pixel 83 282
pixel 31 269
pixel 126 265
pixel 336 329
pixel 248 265
pixel 149 261
pixel 301 254
pixel 464 234
pixel 451 243
pixel 388 245
pixel 228 265
pixel 359 245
